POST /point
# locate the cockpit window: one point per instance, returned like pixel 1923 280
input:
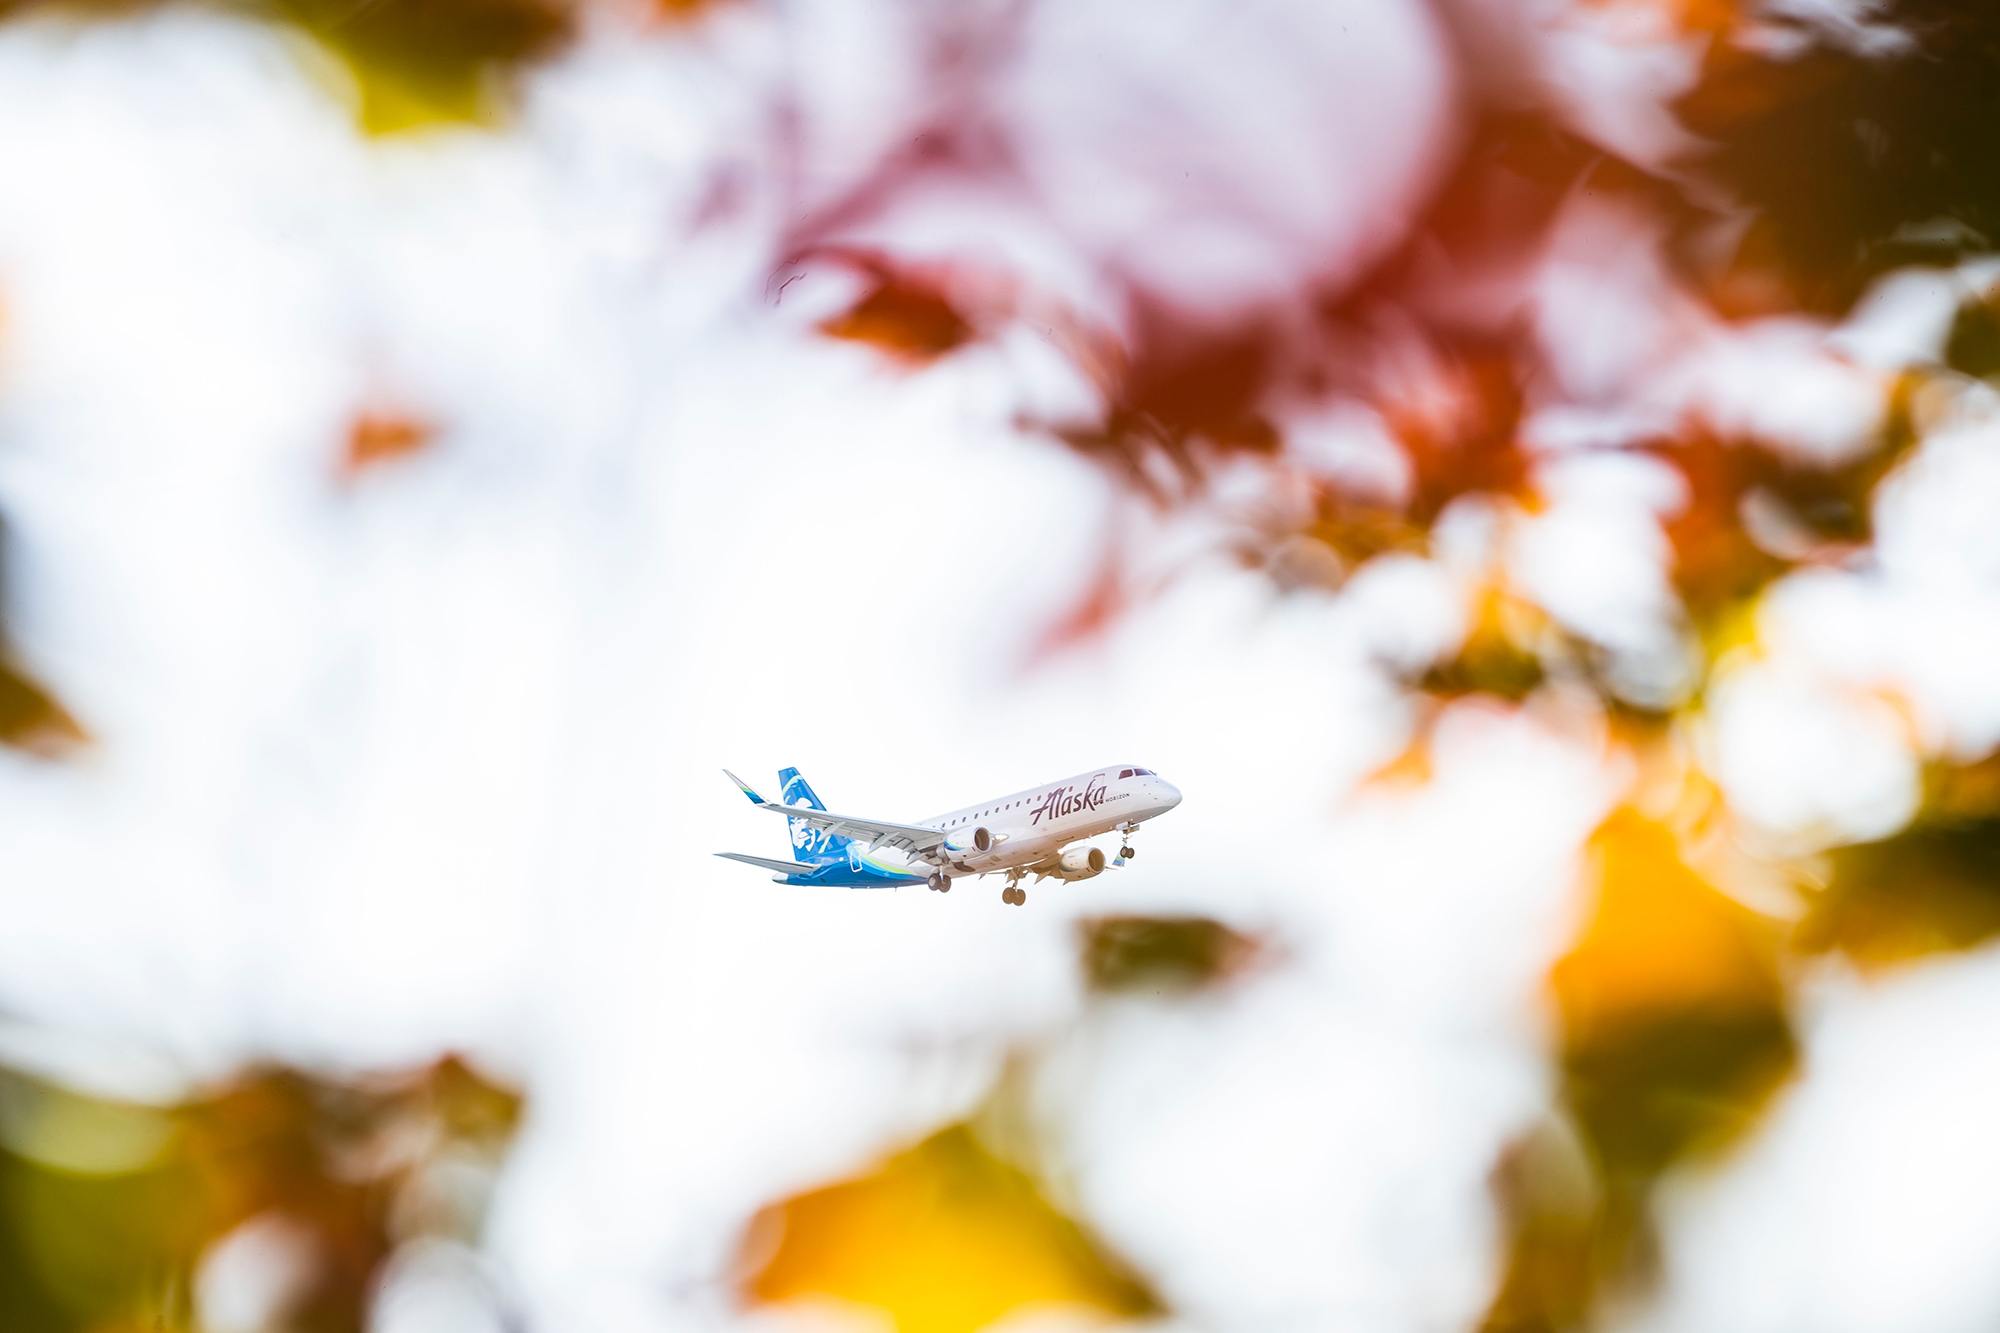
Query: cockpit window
pixel 1124 772
pixel 1142 772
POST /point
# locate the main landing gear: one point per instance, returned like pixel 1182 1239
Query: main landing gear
pixel 1017 897
pixel 939 882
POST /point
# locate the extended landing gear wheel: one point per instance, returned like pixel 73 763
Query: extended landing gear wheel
pixel 1126 853
pixel 944 883
pixel 1014 896
pixel 938 882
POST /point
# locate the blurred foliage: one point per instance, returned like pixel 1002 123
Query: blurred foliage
pixel 378 437
pixel 1934 886
pixel 1856 164
pixel 1833 168
pixel 1460 425
pixel 904 315
pixel 1974 345
pixel 31 719
pixel 944 1237
pixel 1752 517
pixel 1498 657
pixel 1820 169
pixel 1673 1017
pixel 108 1209
pixel 1674 1035
pixel 416 62
pixel 1160 953
pixel 1357 531
pixel 413 62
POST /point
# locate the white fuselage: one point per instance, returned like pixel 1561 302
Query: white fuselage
pixel 1030 826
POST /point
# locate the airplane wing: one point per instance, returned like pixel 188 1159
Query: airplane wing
pixel 782 867
pixel 875 832
pixel 912 838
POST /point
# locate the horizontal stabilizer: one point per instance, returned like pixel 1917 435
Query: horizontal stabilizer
pixel 782 867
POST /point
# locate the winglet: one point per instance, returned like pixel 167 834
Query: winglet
pixel 755 799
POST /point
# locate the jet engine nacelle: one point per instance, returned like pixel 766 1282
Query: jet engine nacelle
pixel 1080 863
pixel 971 840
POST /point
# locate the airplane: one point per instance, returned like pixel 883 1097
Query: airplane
pixel 1026 833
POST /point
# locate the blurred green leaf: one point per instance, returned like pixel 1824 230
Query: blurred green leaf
pixel 1159 953
pixel 1934 886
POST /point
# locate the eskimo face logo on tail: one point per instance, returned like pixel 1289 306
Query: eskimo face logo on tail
pixel 806 840
pixel 1067 801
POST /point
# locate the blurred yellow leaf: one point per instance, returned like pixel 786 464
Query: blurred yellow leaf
pixel 1661 940
pixel 420 62
pixel 945 1238
pixel 1674 1035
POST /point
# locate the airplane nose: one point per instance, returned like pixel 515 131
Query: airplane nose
pixel 1171 792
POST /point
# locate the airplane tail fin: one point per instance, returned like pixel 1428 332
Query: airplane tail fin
pixel 811 845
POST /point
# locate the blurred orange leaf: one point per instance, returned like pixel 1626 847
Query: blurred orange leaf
pixel 906 316
pixel 379 437
pixel 1661 940
pixel 944 1238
